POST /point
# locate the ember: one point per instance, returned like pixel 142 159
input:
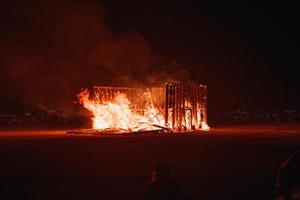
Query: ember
pixel 177 107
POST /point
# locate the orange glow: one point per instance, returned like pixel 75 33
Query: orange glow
pixel 204 126
pixel 118 115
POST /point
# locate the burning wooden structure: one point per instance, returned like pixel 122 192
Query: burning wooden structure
pixel 139 98
pixel 175 107
pixel 185 106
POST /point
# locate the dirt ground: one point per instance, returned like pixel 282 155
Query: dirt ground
pixel 238 162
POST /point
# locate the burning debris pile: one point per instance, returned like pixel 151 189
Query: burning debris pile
pixel 177 107
pixel 124 109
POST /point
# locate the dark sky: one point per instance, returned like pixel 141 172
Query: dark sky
pixel 245 52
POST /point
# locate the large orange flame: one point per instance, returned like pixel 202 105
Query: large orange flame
pixel 118 115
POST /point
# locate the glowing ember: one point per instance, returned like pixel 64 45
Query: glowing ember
pixel 117 114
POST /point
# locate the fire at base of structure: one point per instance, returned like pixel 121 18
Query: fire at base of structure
pixel 175 107
pixel 185 106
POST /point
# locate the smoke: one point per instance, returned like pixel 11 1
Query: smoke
pixel 51 49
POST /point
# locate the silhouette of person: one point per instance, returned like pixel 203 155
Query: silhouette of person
pixel 164 187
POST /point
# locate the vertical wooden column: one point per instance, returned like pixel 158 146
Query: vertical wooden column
pixel 194 106
pixel 167 105
pixel 191 104
pixel 177 105
pixel 181 105
pixel 173 105
pixel 178 88
pixel 197 104
pixel 205 104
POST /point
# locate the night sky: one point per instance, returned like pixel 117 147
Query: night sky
pixel 247 53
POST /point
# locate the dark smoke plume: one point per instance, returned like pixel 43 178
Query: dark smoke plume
pixel 51 49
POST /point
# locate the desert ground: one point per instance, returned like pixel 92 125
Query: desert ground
pixel 236 162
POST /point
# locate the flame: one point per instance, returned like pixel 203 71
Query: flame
pixel 118 115
pixel 204 126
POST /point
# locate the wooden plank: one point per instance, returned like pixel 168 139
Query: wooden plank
pixel 167 105
pixel 173 106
